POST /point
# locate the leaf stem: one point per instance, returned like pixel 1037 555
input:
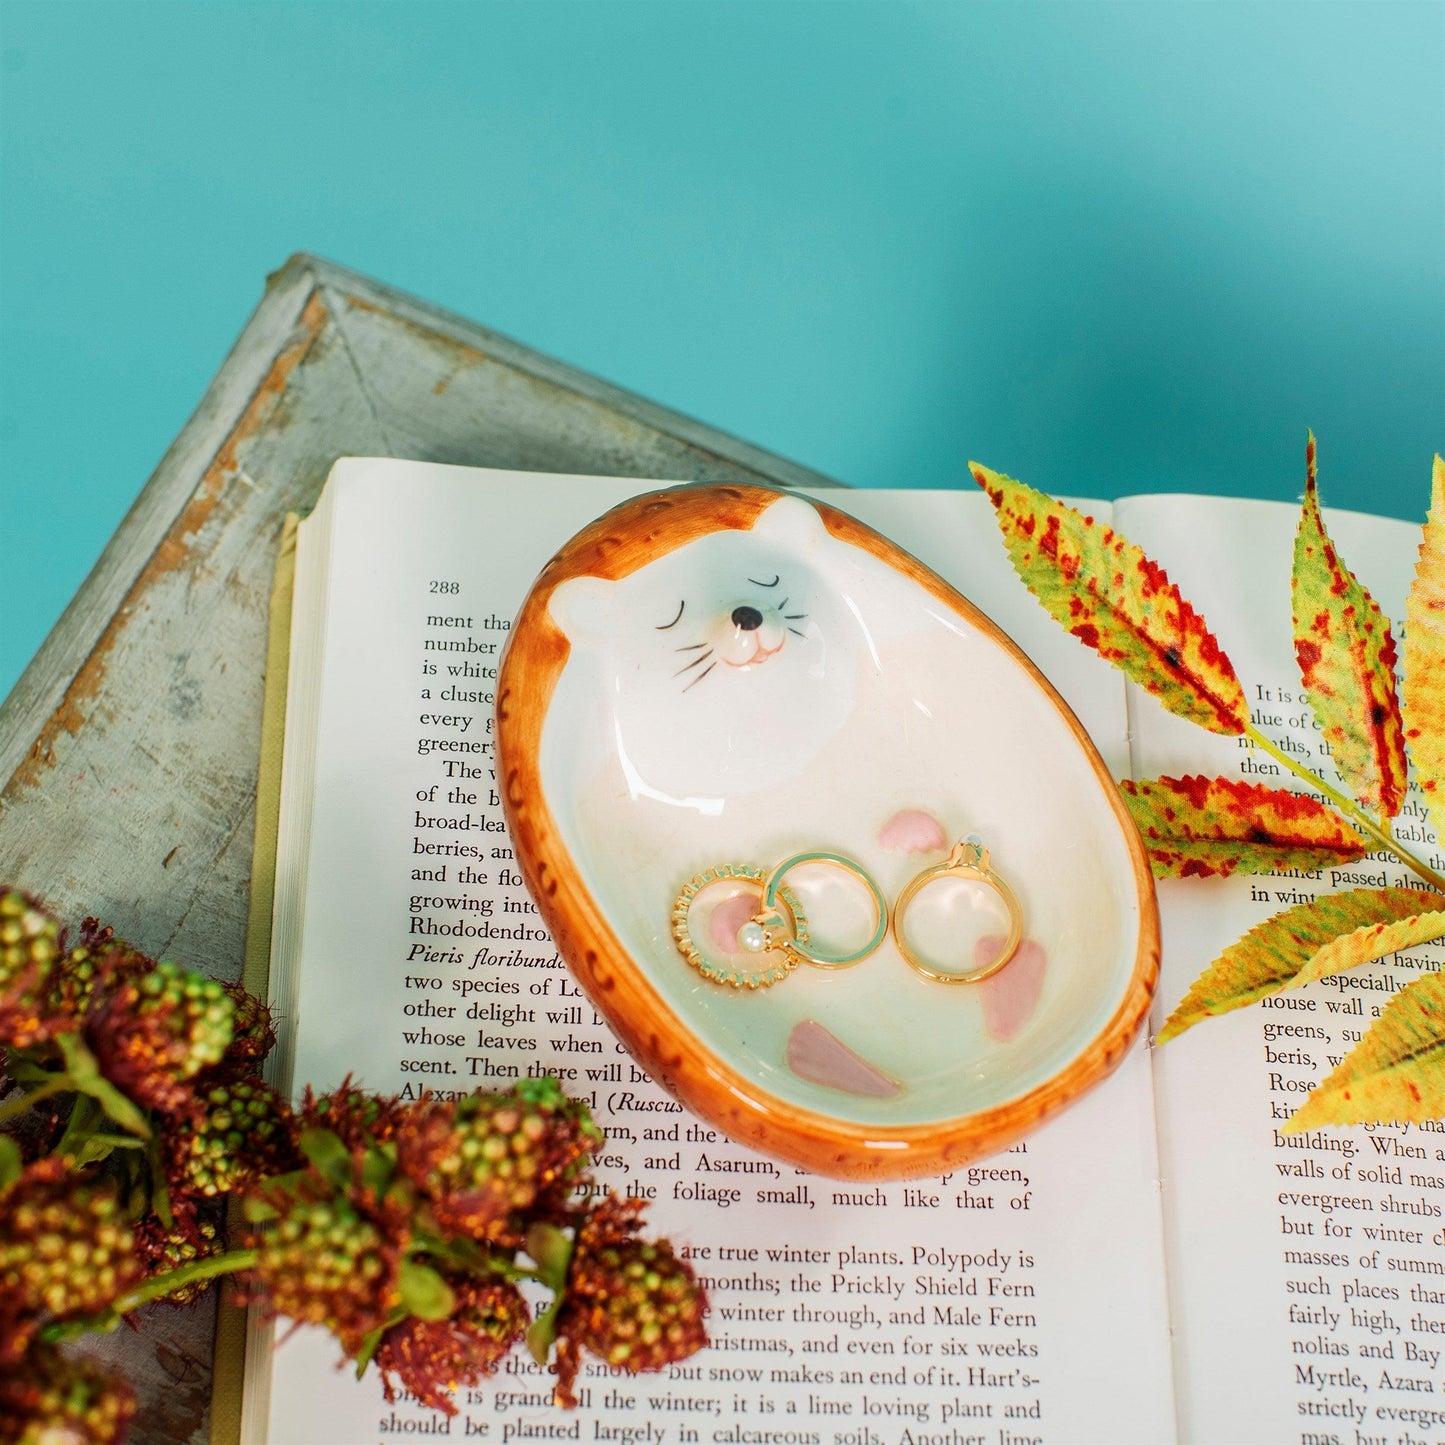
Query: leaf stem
pixel 1351 809
pixel 12 1108
pixel 157 1287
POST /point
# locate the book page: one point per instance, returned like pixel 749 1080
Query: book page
pixel 1307 1271
pixel 1013 1302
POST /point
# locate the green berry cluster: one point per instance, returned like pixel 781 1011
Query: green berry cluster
pixel 29 948
pixel 630 1301
pixel 242 1134
pixel 324 1262
pixel 64 1401
pixel 153 1033
pixel 488 1158
pixel 66 1249
pixel 360 1120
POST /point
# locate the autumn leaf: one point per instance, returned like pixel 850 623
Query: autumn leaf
pixel 1423 687
pixel 1374 940
pixel 1107 593
pixel 1346 657
pixel 1195 827
pixel 1269 956
pixel 1395 1073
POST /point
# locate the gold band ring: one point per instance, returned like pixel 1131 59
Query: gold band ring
pixel 775 939
pixel 970 861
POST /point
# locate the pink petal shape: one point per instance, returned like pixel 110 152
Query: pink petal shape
pixel 822 1058
pixel 1012 994
pixel 728 917
pixel 912 831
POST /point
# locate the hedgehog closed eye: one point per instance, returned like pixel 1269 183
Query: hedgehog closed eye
pixel 773 583
pixel 663 626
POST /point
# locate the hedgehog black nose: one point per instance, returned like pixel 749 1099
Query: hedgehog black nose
pixel 747 618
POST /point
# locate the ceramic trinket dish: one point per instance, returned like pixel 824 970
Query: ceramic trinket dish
pixel 712 680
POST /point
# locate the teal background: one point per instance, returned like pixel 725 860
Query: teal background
pixel 1106 247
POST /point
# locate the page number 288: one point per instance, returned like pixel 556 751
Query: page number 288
pixel 449 587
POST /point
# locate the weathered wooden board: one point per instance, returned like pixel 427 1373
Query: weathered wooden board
pixel 130 744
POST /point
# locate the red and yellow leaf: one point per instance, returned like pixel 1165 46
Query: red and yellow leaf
pixel 1346 657
pixel 1194 827
pixel 1374 940
pixel 1268 957
pixel 1107 593
pixel 1423 688
pixel 1396 1073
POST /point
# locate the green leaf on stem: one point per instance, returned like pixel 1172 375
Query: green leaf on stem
pixel 329 1155
pixel 377 1168
pixel 367 1352
pixel 1422 689
pixel 257 1211
pixel 87 1079
pixel 27 1071
pixel 1395 1073
pixel 102 1146
pixel 1103 590
pixel 12 1164
pixel 80 1063
pixel 1197 827
pixel 423 1292
pixel 1346 658
pixel 542 1332
pixel 551 1251
pixel 129 1115
pixel 1270 955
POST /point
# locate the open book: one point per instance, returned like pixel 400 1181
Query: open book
pixel 1160 1262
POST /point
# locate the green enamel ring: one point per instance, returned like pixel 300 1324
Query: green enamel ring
pixel 775 889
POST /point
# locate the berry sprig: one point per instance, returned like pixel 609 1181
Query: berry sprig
pixel 131 1110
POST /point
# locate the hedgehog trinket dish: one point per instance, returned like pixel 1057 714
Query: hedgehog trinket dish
pixel 775 788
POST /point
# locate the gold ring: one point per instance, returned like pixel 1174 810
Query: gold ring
pixel 773 933
pixel 969 860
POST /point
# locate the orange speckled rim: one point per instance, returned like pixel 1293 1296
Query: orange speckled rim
pixel 611 548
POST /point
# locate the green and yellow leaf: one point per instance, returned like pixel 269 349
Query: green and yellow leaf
pixel 1423 687
pixel 1269 956
pixel 1396 1073
pixel 1101 588
pixel 1346 658
pixel 1375 940
pixel 1196 827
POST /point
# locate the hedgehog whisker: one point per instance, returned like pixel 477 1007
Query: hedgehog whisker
pixel 700 676
pixel 688 667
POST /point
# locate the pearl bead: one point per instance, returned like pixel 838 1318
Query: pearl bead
pixel 752 937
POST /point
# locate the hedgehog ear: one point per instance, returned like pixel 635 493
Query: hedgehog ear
pixel 583 607
pixel 792 523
